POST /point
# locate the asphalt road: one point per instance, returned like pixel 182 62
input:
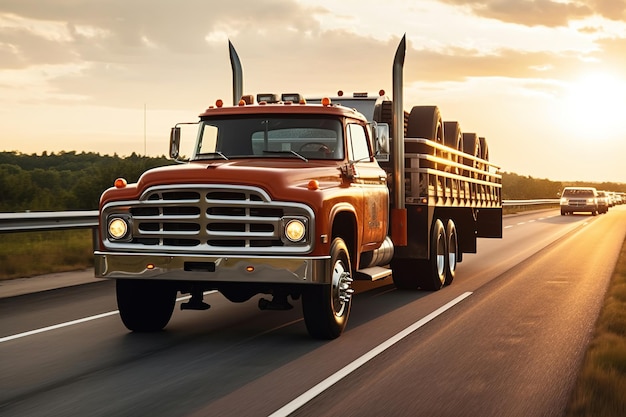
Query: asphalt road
pixel 506 338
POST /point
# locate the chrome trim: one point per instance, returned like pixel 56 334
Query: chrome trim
pixel 278 269
pixel 193 218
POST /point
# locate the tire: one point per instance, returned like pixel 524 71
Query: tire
pixel 471 145
pixel 145 305
pixel 405 273
pixel 484 148
pixel 483 153
pixel 452 250
pixel 326 308
pixel 433 270
pixel 453 138
pixel 426 274
pixel 425 122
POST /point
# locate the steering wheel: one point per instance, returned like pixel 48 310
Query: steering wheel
pixel 315 147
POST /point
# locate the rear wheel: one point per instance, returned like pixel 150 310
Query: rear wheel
pixel 452 249
pixel 433 275
pixel 326 307
pixel 145 305
pixel 427 274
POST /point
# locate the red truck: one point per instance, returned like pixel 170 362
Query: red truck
pixel 294 198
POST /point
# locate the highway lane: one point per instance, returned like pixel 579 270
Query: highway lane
pixel 511 347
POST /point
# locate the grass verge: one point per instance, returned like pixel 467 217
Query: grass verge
pixel 35 253
pixel 600 390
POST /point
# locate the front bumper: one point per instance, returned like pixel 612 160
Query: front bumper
pixel 571 208
pixel 240 269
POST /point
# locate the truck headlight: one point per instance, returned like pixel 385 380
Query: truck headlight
pixel 118 228
pixel 295 229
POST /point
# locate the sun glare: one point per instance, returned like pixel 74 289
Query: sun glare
pixel 596 104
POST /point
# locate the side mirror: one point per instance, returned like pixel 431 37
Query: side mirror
pixel 382 138
pixel 175 142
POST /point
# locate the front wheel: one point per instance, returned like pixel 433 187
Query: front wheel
pixel 145 305
pixel 326 307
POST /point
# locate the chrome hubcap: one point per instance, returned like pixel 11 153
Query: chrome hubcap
pixel 342 291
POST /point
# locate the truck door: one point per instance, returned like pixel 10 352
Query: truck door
pixel 372 183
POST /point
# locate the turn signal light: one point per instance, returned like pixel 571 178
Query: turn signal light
pixel 120 183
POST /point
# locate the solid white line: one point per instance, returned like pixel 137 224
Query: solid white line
pixel 351 367
pixel 73 322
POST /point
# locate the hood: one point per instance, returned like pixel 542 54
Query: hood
pixel 281 179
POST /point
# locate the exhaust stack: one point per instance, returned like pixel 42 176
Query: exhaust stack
pixel 237 69
pixel 398 125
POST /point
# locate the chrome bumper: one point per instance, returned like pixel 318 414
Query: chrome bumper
pixel 279 270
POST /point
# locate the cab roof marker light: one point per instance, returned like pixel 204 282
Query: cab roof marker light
pixel 120 183
pixel 267 97
pixel 219 103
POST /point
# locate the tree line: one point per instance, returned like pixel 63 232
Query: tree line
pixel 66 180
pixel 74 181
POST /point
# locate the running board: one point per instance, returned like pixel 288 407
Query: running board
pixel 373 273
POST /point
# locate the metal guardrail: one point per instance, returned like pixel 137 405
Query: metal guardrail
pixel 520 203
pixel 48 220
pixel 60 220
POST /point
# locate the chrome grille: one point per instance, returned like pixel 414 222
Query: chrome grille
pixel 578 203
pixel 208 219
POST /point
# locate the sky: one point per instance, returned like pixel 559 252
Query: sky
pixel 543 80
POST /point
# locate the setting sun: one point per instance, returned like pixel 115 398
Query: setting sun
pixel 596 103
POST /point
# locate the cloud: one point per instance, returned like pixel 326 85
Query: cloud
pixel 174 54
pixel 611 9
pixel 529 12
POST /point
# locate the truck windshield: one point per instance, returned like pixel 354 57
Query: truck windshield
pixel 267 137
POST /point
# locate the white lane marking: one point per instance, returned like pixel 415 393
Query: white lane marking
pixel 521 223
pixel 73 322
pixel 351 367
pixel 507 227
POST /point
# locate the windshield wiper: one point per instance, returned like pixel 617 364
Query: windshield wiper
pixel 287 152
pixel 210 154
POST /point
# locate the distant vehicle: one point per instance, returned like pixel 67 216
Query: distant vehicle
pixel 604 201
pixel 612 198
pixel 579 199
